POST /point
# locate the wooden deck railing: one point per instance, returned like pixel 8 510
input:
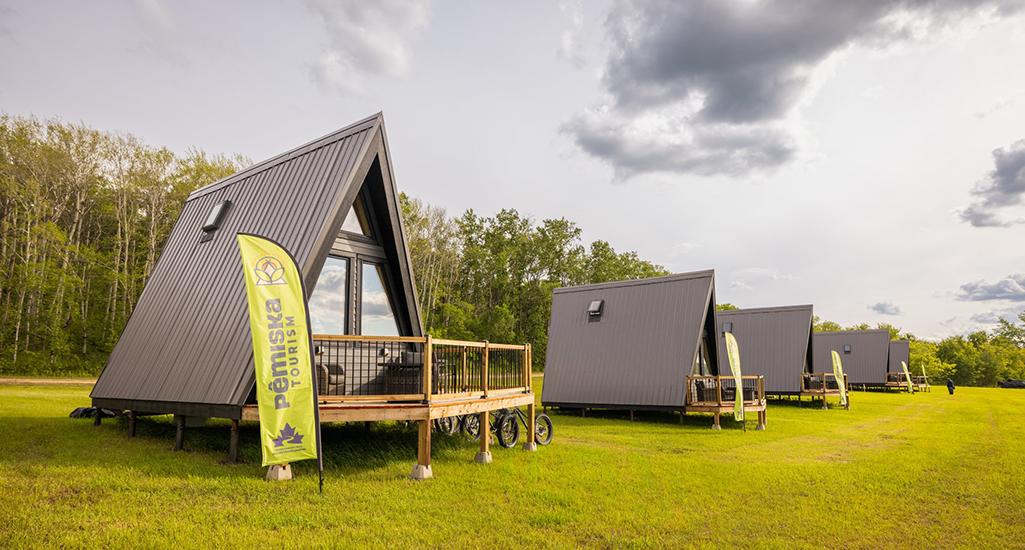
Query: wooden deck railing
pixel 391 368
pixel 721 390
pixel 820 382
pixel 896 379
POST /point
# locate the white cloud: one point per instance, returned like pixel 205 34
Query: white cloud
pixel 885 308
pixel 737 285
pixel 1010 288
pixel 366 39
pixel 570 47
pixel 711 87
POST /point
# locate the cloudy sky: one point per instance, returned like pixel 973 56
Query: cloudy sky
pixel 867 157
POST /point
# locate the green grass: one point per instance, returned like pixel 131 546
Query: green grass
pixel 928 470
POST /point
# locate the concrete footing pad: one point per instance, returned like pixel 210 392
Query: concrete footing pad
pixel 421 472
pixel 483 458
pixel 716 427
pixel 279 472
pixel 530 446
pixel 760 427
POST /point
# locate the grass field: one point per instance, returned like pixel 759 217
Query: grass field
pixel 929 470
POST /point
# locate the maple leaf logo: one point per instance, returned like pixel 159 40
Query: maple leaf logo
pixel 288 434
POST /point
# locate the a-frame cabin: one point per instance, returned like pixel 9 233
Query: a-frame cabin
pixel 187 350
pixel 646 344
pixel 774 342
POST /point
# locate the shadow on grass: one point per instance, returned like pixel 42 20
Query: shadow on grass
pixel 689 422
pixel 348 447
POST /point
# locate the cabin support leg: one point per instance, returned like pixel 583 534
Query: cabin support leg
pixel 233 443
pixel 179 437
pixel 484 454
pixel 97 417
pixel 422 469
pixel 825 406
pixel 681 418
pixel 366 427
pixel 583 413
pixel 131 424
pixel 761 421
pixel 631 415
pixel 279 472
pixel 715 422
pixel 531 444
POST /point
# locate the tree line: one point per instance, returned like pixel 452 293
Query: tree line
pixel 83 216
pixel 978 359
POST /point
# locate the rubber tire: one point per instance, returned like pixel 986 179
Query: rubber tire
pixel 508 431
pixel 448 425
pixel 539 421
pixel 471 427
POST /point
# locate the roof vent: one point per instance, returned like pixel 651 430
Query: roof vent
pixel 727 327
pixel 214 220
pixel 595 309
pixel 846 348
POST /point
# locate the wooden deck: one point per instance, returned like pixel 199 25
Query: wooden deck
pixel 712 394
pixel 382 411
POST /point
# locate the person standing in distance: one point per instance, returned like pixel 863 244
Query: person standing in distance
pixel 950 386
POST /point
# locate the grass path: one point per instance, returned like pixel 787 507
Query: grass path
pixel 921 471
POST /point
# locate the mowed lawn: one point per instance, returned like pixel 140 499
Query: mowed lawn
pixel 928 470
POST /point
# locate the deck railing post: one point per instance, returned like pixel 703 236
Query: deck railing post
pixel 484 370
pixel 427 368
pixel 464 379
pixel 718 390
pixel 526 368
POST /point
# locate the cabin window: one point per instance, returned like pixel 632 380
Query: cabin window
pixel 377 317
pixel 727 327
pixel 214 220
pixel 357 221
pixel 701 362
pixel 594 310
pixel 846 348
pixel 330 300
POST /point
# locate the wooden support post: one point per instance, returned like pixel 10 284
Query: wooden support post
pixel 427 368
pixel 824 405
pixel 531 444
pixel 761 421
pixel 97 417
pixel 484 454
pixel 631 415
pixel 715 421
pixel 233 443
pixel 366 427
pixel 179 438
pixel 681 418
pixel 131 424
pixel 484 369
pixel 422 469
pixel 583 413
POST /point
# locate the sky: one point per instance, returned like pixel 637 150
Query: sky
pixel 865 157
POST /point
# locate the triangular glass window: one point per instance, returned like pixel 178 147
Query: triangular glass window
pixel 357 221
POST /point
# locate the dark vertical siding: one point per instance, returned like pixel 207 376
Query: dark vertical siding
pixel 867 361
pixel 900 350
pixel 188 339
pixel 641 351
pixel 773 342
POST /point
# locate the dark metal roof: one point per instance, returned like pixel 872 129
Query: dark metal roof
pixel 640 351
pixel 187 346
pixel 865 364
pixel 774 342
pixel 900 350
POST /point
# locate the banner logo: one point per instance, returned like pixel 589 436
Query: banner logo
pixel 269 271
